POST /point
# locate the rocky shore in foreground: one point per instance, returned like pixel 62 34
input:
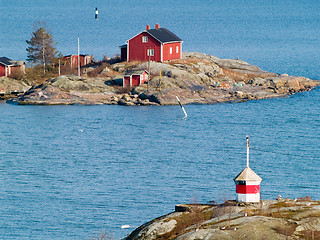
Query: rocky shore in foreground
pixel 197 78
pixel 268 220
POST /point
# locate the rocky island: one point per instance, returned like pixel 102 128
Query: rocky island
pixel 278 219
pixel 196 79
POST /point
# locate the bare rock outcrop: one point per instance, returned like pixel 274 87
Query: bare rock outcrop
pixel 11 87
pixel 197 78
pixel 68 90
pixel 279 219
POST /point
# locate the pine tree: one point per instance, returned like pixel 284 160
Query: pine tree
pixel 41 47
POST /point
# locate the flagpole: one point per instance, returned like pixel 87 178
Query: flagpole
pixel 247 151
pixel 78 57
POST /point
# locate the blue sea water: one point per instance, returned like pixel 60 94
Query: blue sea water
pixel 74 172
pixel 278 36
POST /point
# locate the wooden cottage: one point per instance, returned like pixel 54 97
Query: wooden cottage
pixel 72 60
pixel 135 78
pixel 158 44
pixel 8 66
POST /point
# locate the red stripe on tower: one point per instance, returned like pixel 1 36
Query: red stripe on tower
pixel 245 189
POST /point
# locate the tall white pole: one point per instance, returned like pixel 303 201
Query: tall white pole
pixel 247 151
pixel 78 57
pixel 59 67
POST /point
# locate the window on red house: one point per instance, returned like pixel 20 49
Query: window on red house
pixel 145 39
pixel 150 52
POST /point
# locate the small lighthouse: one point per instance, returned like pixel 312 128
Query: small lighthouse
pixel 248 183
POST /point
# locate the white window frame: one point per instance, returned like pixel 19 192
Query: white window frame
pixel 170 50
pixel 144 39
pixel 177 49
pixel 150 52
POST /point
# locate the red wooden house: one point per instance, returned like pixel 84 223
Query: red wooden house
pixel 72 60
pixel 8 66
pixel 158 44
pixel 135 78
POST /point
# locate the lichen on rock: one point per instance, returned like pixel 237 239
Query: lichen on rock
pixel 271 220
pixel 196 78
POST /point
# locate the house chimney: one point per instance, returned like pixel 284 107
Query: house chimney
pixel 148 27
pixel 157 26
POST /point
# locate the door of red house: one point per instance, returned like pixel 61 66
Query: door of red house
pixel 126 81
pixel 135 80
pixel 2 70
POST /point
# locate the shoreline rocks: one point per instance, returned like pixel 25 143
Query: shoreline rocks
pixel 196 79
pixel 279 219
pixel 10 88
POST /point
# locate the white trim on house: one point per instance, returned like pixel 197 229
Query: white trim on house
pixel 137 35
pixel 173 42
pixel 128 52
pixel 161 54
pixel 145 31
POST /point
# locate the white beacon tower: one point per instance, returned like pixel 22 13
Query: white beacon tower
pixel 248 183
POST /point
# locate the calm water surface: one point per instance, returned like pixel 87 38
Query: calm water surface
pixel 73 172
pixel 278 36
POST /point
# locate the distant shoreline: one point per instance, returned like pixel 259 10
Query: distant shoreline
pixel 196 79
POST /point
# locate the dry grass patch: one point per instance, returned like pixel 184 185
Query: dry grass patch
pixel 282 204
pixel 187 219
pixel 98 71
pixel 35 75
pixel 132 64
pixel 239 75
pixel 310 235
pixel 286 229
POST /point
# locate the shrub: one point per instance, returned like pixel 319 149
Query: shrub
pixel 18 75
pixel 35 75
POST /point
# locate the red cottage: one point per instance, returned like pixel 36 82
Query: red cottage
pixel 135 78
pixel 8 66
pixel 159 44
pixel 72 60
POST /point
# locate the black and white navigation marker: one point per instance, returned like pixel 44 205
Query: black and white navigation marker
pixel 185 113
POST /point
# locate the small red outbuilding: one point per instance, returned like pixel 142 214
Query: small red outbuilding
pixel 158 44
pixel 8 66
pixel 72 60
pixel 135 78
